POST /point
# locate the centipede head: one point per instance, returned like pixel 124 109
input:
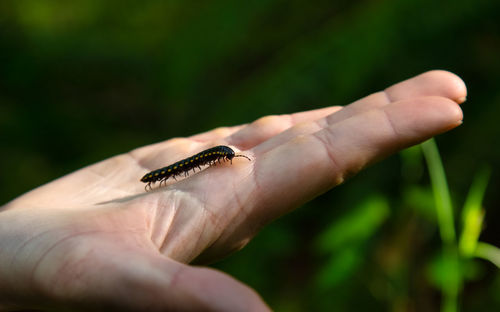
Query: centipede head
pixel 146 178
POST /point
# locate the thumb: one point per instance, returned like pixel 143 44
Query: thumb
pixel 135 280
pixel 208 289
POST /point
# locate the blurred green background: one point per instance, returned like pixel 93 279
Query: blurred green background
pixel 81 81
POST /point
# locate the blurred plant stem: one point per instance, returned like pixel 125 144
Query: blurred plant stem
pixel 441 192
pixel 451 285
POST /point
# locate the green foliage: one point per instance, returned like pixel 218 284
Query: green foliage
pixel 356 226
pixel 341 266
pixel 343 241
pixel 446 271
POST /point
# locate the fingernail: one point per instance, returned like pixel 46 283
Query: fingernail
pixel 460 100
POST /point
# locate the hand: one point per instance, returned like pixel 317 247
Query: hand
pixel 95 240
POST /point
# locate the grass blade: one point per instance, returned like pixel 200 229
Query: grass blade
pixel 441 192
pixel 488 252
pixel 472 214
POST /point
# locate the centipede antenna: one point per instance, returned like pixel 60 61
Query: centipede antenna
pixel 243 156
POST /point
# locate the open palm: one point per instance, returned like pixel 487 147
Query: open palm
pixel 95 239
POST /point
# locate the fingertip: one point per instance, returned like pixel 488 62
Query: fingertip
pixel 443 114
pixel 453 86
pixel 432 83
pixel 453 111
pixel 436 115
pixel 153 282
pixel 216 291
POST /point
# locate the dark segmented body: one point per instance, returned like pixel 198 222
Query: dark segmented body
pixel 206 157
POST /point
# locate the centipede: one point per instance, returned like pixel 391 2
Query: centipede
pixel 210 157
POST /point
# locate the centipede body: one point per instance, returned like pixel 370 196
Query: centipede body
pixel 182 167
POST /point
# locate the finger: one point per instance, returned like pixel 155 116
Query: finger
pixel 128 279
pixel 432 83
pixel 311 164
pixel 436 82
pixel 216 134
pixel 154 155
pixel 269 126
pixel 242 136
pixel 212 290
pixel 157 155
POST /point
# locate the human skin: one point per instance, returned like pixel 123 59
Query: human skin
pixel 95 240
